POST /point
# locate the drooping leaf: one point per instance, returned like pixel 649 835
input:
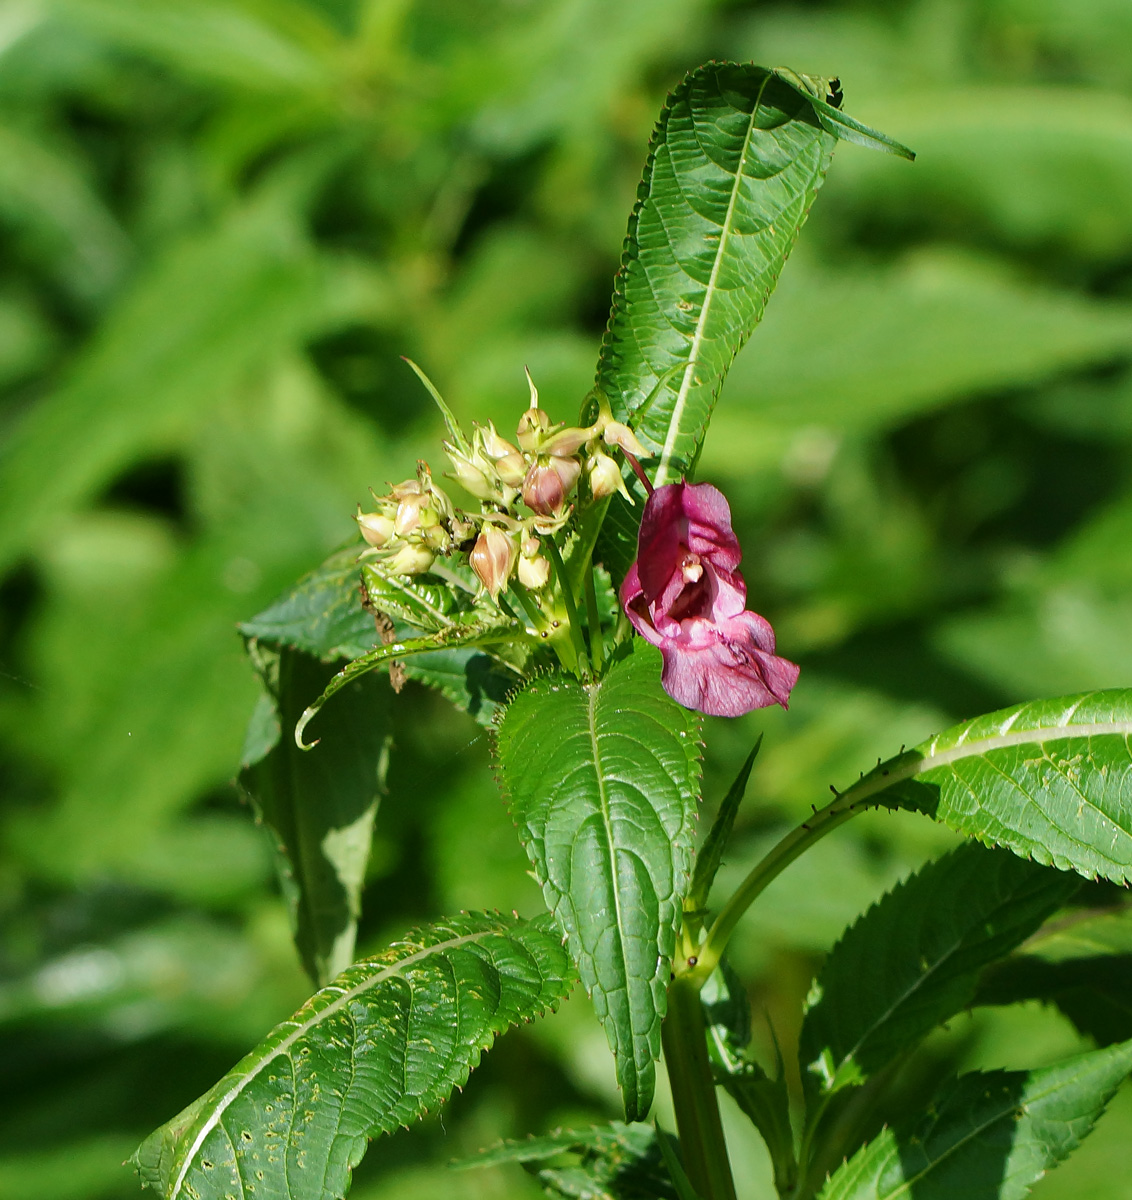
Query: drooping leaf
pixel 987 1136
pixel 383 1044
pixel 614 1162
pixel 321 806
pixel 1050 780
pixel 603 782
pixel 735 162
pixel 476 683
pixel 711 853
pixel 915 958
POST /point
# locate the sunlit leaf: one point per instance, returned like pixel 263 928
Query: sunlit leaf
pixel 602 781
pixel 379 1047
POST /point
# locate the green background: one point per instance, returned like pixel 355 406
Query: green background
pixel 221 224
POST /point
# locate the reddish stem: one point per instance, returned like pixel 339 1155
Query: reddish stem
pixel 638 470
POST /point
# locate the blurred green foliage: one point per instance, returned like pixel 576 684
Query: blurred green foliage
pixel 222 221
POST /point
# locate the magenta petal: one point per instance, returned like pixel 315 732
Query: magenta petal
pixel 728 668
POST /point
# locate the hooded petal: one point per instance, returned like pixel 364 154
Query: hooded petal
pixel 726 668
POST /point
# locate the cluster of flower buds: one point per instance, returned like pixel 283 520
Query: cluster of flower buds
pixel 413 524
pixel 524 489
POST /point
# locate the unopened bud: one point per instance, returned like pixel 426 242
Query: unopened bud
pixel 474 481
pixel 375 528
pixel 493 559
pixel 512 469
pixel 533 572
pixel 605 477
pixel 494 446
pixel 411 559
pixel 409 514
pixel 532 427
pixel 567 442
pixel 409 487
pixel 548 484
pixel 616 434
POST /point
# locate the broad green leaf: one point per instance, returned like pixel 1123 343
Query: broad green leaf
pixel 1050 780
pixel 379 1047
pixel 915 958
pixel 614 1161
pixel 321 806
pixel 711 852
pixel 603 782
pixel 735 162
pixel 476 683
pixel 322 614
pixel 987 1136
pixel 427 606
pixel 1094 993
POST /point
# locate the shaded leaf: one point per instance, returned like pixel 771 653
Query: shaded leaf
pixel 603 782
pixel 987 1136
pixel 321 806
pixel 606 1162
pixel 915 958
pixel 379 1047
pixel 711 852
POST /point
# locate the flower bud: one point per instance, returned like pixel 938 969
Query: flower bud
pixel 492 444
pixel 533 572
pixel 376 528
pixel 567 442
pixel 512 469
pixel 605 477
pixel 493 559
pixel 531 429
pixel 410 487
pixel 548 484
pixel 616 434
pixel 470 477
pixel 411 559
pixel 409 514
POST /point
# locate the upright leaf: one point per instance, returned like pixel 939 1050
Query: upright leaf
pixel 1050 780
pixel 711 852
pixel 321 806
pixel 735 162
pixel 915 958
pixel 987 1136
pixel 387 1041
pixel 603 782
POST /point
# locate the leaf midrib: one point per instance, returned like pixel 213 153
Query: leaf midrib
pixel 606 824
pixel 978 1130
pixel 709 295
pixel 339 1002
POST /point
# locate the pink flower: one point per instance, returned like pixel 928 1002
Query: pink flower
pixel 685 594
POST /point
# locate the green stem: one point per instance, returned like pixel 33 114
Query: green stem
pixel 848 804
pixel 593 619
pixel 568 600
pixel 684 1035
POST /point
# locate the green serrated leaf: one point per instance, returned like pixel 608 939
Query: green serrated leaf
pixel 987 1136
pixel 603 782
pixel 735 162
pixel 711 853
pixel 431 606
pixel 915 958
pixel 1050 780
pixel 1094 993
pixel 322 614
pixel 387 1041
pixel 321 806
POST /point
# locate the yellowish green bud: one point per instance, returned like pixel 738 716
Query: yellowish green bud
pixel 376 528
pixel 604 477
pixel 616 434
pixel 533 572
pixel 512 469
pixel 411 559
